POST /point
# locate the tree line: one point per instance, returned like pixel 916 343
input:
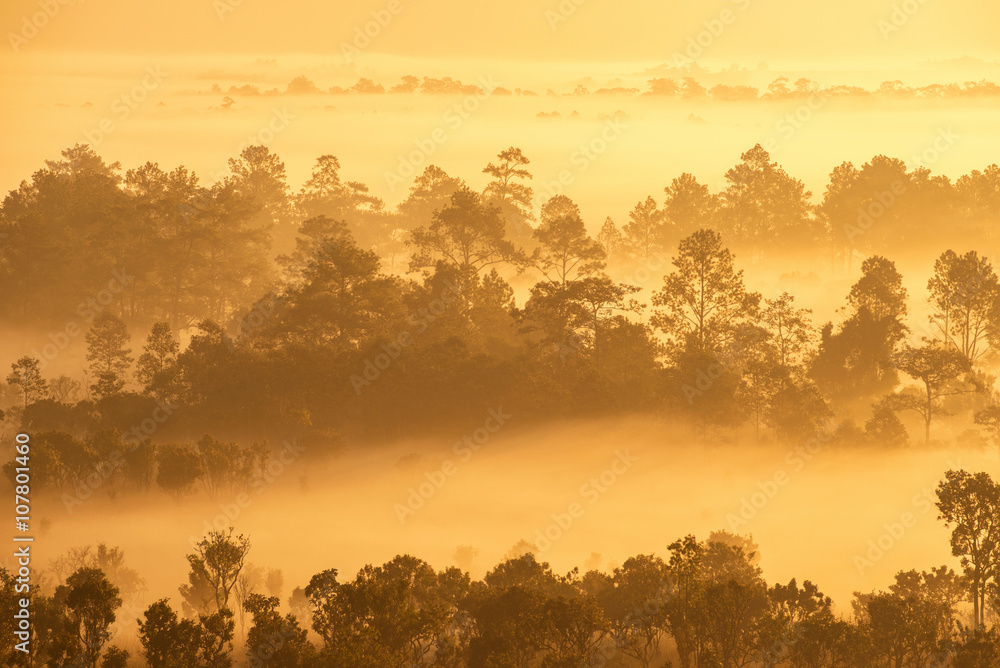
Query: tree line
pixel 704 605
pixel 685 87
pixel 156 245
pixel 341 346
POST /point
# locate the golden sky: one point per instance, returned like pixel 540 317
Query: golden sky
pixel 580 30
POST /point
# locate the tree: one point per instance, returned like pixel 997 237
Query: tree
pixel 565 251
pixel 507 192
pixel 575 629
pixel 884 204
pixel 217 632
pixel 430 192
pixel 857 361
pixel 275 641
pixel 342 299
pixel 572 314
pixel 325 195
pixel 26 373
pixel 840 210
pixel 388 615
pixel 91 601
pixel 73 215
pixel 56 638
pixel 797 408
pixel 212 251
pixel 115 657
pixel 612 241
pixel 170 642
pixel 468 234
pixel 978 194
pixel 978 649
pixel 156 367
pixel 108 353
pixel 222 464
pixel 703 301
pixel 793 610
pixel 903 631
pixel 64 389
pixel 965 294
pixel 634 606
pixel 716 601
pixel 508 627
pixel 989 417
pixel 602 299
pixel 937 367
pixel 321 592
pixel 218 560
pixel 644 231
pixel 884 427
pixel 789 327
pixel 765 204
pixel 879 291
pixel 689 207
pixel 9 606
pixel 259 176
pixel 971 502
pixel 178 468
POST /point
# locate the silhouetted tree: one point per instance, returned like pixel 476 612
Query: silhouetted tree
pixel 27 375
pixel 508 192
pixel 689 207
pixel 468 234
pixel 857 360
pixel 938 368
pixel 971 503
pixel 965 294
pixel 565 252
pixel 109 354
pixel 644 232
pixel 703 300
pixel 217 560
pixel 275 641
pixel 91 601
pixel 178 467
pixel 765 206
pixel 156 367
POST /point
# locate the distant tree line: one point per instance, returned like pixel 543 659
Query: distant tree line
pixel 685 87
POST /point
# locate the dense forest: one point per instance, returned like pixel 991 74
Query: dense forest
pixel 170 333
pixel 357 321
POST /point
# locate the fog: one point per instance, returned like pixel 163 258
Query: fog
pixel 62 100
pixel 346 512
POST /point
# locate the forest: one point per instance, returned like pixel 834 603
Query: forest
pixel 355 321
pixel 169 334
pixel 706 605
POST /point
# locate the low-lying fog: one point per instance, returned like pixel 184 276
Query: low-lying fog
pixel 176 118
pixel 816 522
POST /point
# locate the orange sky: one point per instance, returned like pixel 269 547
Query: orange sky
pixel 594 30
